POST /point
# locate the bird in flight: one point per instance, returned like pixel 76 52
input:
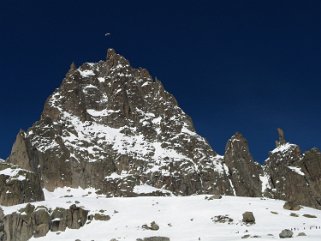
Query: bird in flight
pixel 107 34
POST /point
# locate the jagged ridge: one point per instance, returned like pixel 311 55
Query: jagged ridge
pixel 113 127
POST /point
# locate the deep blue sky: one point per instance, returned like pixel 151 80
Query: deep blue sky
pixel 248 66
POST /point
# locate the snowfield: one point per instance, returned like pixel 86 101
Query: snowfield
pixel 179 218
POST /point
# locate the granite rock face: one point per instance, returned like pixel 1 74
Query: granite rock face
pixel 289 178
pixel 311 166
pixel 36 222
pixel 244 171
pixel 115 128
pixel 18 185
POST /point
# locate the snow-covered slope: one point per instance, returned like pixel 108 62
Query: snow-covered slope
pixel 179 218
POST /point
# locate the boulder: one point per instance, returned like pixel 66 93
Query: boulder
pixel 59 219
pixel 101 217
pixel 77 217
pixel 309 216
pixel 153 226
pixel 41 219
pixel 156 238
pixel 245 236
pixel 215 196
pixel 248 218
pixel 286 233
pixel 222 219
pixel 290 205
pixel 31 221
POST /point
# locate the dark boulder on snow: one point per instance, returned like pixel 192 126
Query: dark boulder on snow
pixel 248 218
pixel 291 206
pixel 155 239
pixel 286 234
pixel 244 172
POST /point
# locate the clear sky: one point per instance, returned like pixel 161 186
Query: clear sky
pixel 248 66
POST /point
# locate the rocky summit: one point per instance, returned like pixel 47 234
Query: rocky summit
pixel 115 128
pixel 291 176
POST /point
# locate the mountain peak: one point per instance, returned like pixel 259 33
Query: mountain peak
pixel 111 53
pixel 238 136
pixel 116 60
pixel 243 169
pixel 110 126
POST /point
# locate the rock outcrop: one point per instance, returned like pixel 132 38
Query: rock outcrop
pixel 291 206
pixel 156 238
pixel 286 233
pixel 248 218
pixel 18 185
pixel 311 166
pixel 288 173
pixel 243 170
pixel 36 222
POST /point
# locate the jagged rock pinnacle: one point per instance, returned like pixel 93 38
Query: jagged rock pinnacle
pixel 238 136
pixel 281 140
pixel 110 53
pixel 244 171
pixel 113 59
pixel 72 66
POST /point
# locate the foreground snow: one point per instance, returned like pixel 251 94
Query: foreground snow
pixel 179 218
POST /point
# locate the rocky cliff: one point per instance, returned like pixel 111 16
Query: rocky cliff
pixel 32 221
pixel 289 178
pixel 115 128
pixel 18 185
pixel 244 171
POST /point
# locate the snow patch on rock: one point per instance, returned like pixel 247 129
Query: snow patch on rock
pixel 296 170
pixel 284 148
pixel 86 73
pixel 265 182
pixel 14 173
pixel 146 189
